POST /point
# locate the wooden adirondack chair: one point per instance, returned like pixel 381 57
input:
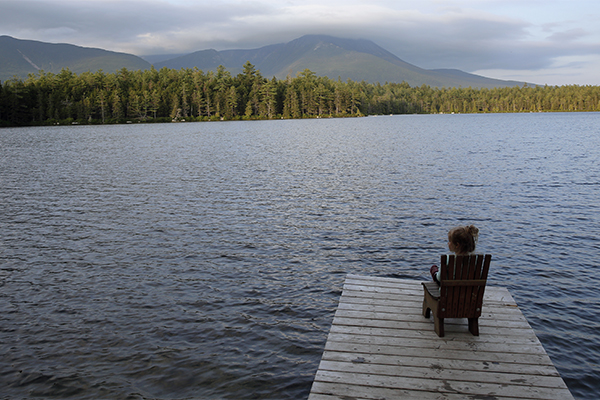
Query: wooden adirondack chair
pixel 460 292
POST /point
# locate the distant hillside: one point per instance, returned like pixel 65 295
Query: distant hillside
pixel 21 57
pixel 332 57
pixel 329 56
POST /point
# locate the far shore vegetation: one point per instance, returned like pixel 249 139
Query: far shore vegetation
pixel 168 95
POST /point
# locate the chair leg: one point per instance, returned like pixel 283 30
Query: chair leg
pixel 474 326
pixel 438 324
pixel 426 310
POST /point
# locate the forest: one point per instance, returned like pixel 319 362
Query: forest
pixel 168 95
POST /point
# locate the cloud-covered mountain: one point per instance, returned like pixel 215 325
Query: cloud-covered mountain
pixel 332 57
pixel 22 57
pixel 329 56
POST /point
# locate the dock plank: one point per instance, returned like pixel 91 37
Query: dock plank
pixel 380 346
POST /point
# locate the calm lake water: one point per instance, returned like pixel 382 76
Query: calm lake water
pixel 206 260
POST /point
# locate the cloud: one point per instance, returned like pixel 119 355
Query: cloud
pixel 568 36
pixel 569 70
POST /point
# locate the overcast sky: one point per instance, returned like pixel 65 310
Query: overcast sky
pixel 554 42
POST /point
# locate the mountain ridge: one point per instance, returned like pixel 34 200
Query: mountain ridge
pixel 354 59
pixel 336 58
pixel 20 57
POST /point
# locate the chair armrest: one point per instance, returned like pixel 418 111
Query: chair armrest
pixel 464 282
pixel 432 288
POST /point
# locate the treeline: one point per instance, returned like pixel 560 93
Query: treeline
pixel 192 95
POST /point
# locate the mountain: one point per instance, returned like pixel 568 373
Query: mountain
pixel 21 57
pixel 329 56
pixel 332 57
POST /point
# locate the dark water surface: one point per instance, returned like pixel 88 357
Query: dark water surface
pixel 205 260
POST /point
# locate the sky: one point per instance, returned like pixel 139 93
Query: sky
pixel 553 42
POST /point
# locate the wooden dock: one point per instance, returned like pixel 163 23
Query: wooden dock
pixel 381 347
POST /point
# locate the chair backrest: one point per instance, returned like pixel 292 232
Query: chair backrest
pixel 462 284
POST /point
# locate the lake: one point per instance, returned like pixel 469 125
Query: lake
pixel 206 260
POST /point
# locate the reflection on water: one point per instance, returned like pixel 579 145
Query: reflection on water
pixel 206 260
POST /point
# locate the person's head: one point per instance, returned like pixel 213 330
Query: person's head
pixel 462 239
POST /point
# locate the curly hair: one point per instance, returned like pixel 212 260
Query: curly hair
pixel 464 238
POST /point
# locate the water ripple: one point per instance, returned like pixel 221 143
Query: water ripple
pixel 206 260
